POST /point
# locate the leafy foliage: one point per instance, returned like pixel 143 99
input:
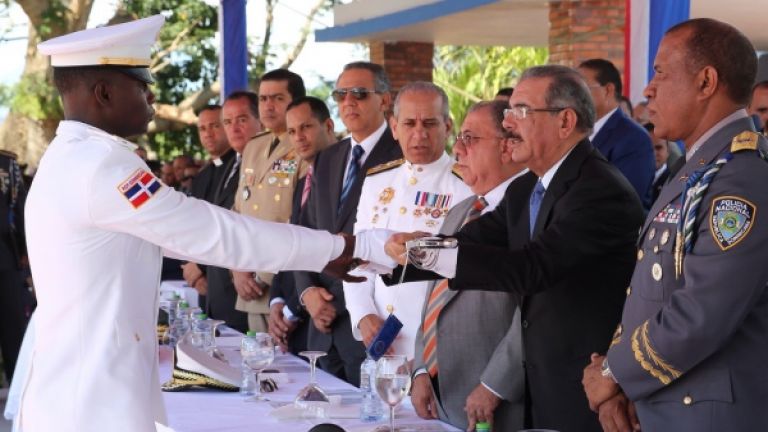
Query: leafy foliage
pixel 470 74
pixel 182 65
pixel 35 97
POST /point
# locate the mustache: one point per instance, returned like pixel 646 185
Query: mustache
pixel 513 136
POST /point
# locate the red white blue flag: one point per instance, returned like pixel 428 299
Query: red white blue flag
pixel 139 187
pixel 647 20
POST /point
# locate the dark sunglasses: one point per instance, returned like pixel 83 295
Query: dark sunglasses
pixel 359 93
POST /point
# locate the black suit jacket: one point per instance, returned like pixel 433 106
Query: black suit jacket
pixel 221 291
pixel 321 213
pixel 571 276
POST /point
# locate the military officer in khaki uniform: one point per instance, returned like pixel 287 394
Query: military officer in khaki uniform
pixel 268 176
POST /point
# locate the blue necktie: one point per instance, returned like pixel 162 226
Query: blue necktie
pixel 354 167
pixel 535 203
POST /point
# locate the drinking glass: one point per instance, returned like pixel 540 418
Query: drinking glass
pixel 257 356
pixel 312 392
pixel 213 350
pixel 393 380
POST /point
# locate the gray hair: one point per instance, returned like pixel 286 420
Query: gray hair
pixel 423 87
pixel 380 78
pixel 496 109
pixel 567 90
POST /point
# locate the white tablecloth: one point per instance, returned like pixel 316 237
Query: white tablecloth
pixel 211 410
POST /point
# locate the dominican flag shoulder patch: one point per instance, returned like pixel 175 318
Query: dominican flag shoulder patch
pixel 139 187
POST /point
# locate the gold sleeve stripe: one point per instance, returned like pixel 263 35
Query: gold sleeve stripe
pixel 646 365
pixel 655 356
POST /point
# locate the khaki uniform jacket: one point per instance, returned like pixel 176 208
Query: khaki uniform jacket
pixel 265 191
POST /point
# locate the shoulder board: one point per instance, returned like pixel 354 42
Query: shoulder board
pixel 746 140
pixel 456 172
pixel 260 134
pixel 385 166
pixel 8 154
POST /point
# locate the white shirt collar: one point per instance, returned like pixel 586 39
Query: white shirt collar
pixel 736 115
pixel 546 179
pixel 82 130
pixel 369 142
pixel 495 195
pixel 659 172
pixel 600 123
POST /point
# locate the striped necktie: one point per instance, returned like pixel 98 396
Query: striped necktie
pixel 307 186
pixel 354 167
pixel 437 299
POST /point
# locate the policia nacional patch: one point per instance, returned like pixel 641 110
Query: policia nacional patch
pixel 730 220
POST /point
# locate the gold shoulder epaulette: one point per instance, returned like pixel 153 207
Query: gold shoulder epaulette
pixel 746 140
pixel 9 154
pixel 385 166
pixel 456 172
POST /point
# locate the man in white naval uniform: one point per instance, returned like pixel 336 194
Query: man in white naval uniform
pixel 414 193
pixel 98 224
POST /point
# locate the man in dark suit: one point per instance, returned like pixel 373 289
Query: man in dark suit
pixel 362 92
pixel 471 370
pixel 569 253
pixel 620 139
pixel 205 183
pixel 310 130
pixel 661 156
pixel 15 300
pixel 240 117
pixel 692 347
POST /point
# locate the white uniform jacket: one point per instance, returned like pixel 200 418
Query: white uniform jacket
pixel 98 223
pixel 402 197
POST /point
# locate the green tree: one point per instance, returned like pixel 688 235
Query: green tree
pixel 470 74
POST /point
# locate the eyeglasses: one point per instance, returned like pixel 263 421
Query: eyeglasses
pixel 520 112
pixel 359 93
pixel 469 140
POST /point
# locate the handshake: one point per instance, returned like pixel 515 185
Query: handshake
pixel 377 251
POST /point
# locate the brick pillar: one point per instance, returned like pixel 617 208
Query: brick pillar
pixel 404 61
pixel 580 30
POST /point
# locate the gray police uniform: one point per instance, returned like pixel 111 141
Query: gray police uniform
pixel 692 347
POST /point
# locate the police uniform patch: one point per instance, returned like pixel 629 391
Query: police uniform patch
pixel 730 220
pixel 139 187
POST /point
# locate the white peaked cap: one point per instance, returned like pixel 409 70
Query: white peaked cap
pixel 128 45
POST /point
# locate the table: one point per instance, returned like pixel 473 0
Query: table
pixel 211 410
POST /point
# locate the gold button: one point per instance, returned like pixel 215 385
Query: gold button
pixel 255 206
pixel 651 233
pixel 412 181
pixel 655 249
pixel 402 210
pixel 656 271
pixel 687 400
pixel 639 254
pixel 375 218
pixel 390 309
pixel 277 197
pixel 629 291
pixel 664 237
pixel 260 186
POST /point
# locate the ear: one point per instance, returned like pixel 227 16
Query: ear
pixel 386 102
pixel 567 122
pixel 393 126
pixel 448 125
pixel 707 80
pixel 102 93
pixel 329 126
pixel 506 150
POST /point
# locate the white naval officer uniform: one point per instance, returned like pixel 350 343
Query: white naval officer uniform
pixel 402 197
pixel 98 224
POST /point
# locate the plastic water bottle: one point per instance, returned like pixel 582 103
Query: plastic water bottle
pixel 371 408
pixel 182 311
pixel 173 304
pixel 201 332
pixel 248 378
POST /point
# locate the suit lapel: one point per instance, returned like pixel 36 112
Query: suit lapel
pixel 452 225
pixel 221 194
pixel 568 171
pixel 601 139
pixel 337 178
pixel 705 155
pixel 378 155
